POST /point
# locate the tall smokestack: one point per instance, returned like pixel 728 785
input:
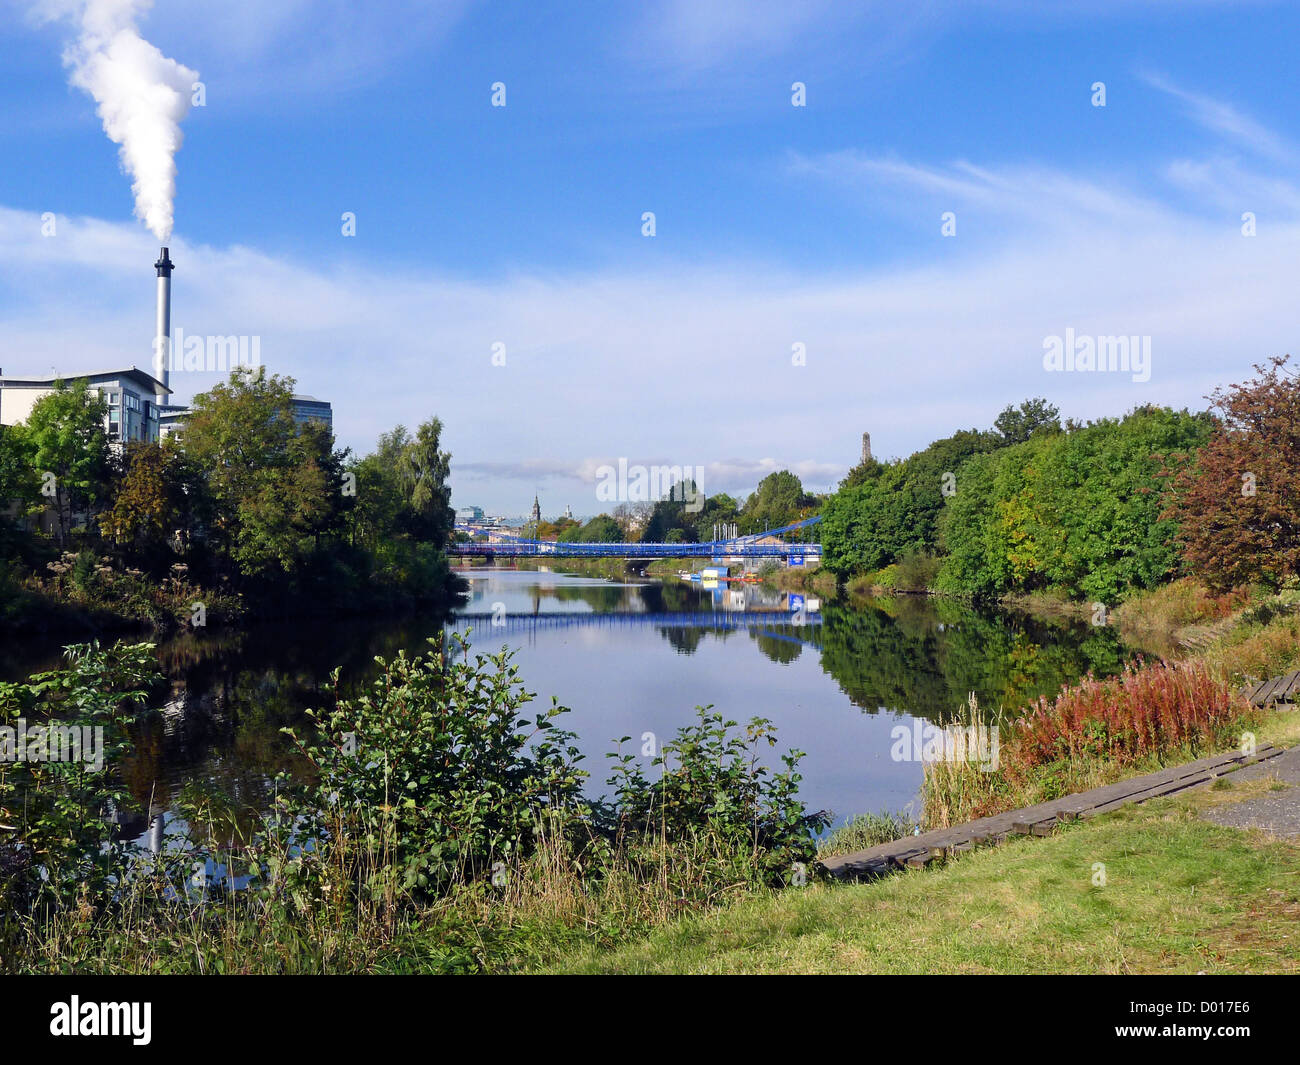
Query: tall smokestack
pixel 163 329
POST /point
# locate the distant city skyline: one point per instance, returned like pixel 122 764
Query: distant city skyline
pixel 866 218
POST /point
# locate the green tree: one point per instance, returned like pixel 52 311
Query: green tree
pixel 1033 417
pixel 895 512
pixel 68 440
pixel 144 503
pixel 423 469
pixel 778 500
pixel 602 529
pixel 719 510
pixel 275 487
pixel 19 488
pixel 670 519
pixel 1078 512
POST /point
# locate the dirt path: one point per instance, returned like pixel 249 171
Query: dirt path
pixel 1277 812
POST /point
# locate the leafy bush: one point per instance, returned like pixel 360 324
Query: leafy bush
pixel 916 571
pixel 56 839
pixel 433 775
pixel 434 814
pixel 711 781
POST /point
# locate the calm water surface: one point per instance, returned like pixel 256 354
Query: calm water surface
pixel 627 658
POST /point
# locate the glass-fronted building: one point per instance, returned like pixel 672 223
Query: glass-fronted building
pixel 130 395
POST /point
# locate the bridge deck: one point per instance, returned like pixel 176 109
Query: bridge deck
pixel 735 547
pixel 557 549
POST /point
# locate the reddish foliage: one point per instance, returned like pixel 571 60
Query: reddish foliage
pixel 1146 710
pixel 1237 504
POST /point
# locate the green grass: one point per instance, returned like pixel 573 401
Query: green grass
pixel 1181 895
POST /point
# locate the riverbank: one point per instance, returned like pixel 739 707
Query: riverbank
pixel 1150 889
pixel 555 907
pixel 87 596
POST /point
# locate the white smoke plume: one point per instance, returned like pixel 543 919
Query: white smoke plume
pixel 141 96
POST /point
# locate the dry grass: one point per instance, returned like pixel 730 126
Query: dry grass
pixel 1176 605
pixel 1093 733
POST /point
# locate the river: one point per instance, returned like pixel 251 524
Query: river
pixel 629 658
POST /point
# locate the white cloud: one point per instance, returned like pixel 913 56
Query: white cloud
pixel 1227 121
pixel 691 366
pixel 248 48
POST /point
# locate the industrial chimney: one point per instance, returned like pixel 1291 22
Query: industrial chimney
pixel 163 329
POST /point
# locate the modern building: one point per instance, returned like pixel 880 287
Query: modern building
pixel 470 514
pixel 306 409
pixel 310 409
pixel 131 394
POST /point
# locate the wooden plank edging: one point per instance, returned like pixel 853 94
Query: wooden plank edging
pixel 921 850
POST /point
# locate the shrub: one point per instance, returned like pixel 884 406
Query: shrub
pixel 56 839
pixel 1089 735
pixel 433 774
pixel 1145 710
pixel 917 571
pixel 711 781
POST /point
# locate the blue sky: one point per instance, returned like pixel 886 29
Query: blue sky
pixel 776 225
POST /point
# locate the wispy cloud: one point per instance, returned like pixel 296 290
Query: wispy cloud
pixel 1229 122
pixel 248 49
pixel 1059 199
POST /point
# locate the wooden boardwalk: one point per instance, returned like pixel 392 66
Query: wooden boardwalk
pixel 1283 689
pixel 916 852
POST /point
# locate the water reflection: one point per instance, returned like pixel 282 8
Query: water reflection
pixel 629 658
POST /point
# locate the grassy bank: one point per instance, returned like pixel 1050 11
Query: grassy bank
pixel 1180 896
pixel 807 579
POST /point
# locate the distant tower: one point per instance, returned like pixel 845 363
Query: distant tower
pixel 866 448
pixel 568 511
pixel 537 511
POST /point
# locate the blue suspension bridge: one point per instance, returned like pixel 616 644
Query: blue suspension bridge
pixel 757 545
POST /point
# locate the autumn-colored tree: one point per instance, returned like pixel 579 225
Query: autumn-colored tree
pixel 1237 503
pixel 142 508
pixel 556 530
